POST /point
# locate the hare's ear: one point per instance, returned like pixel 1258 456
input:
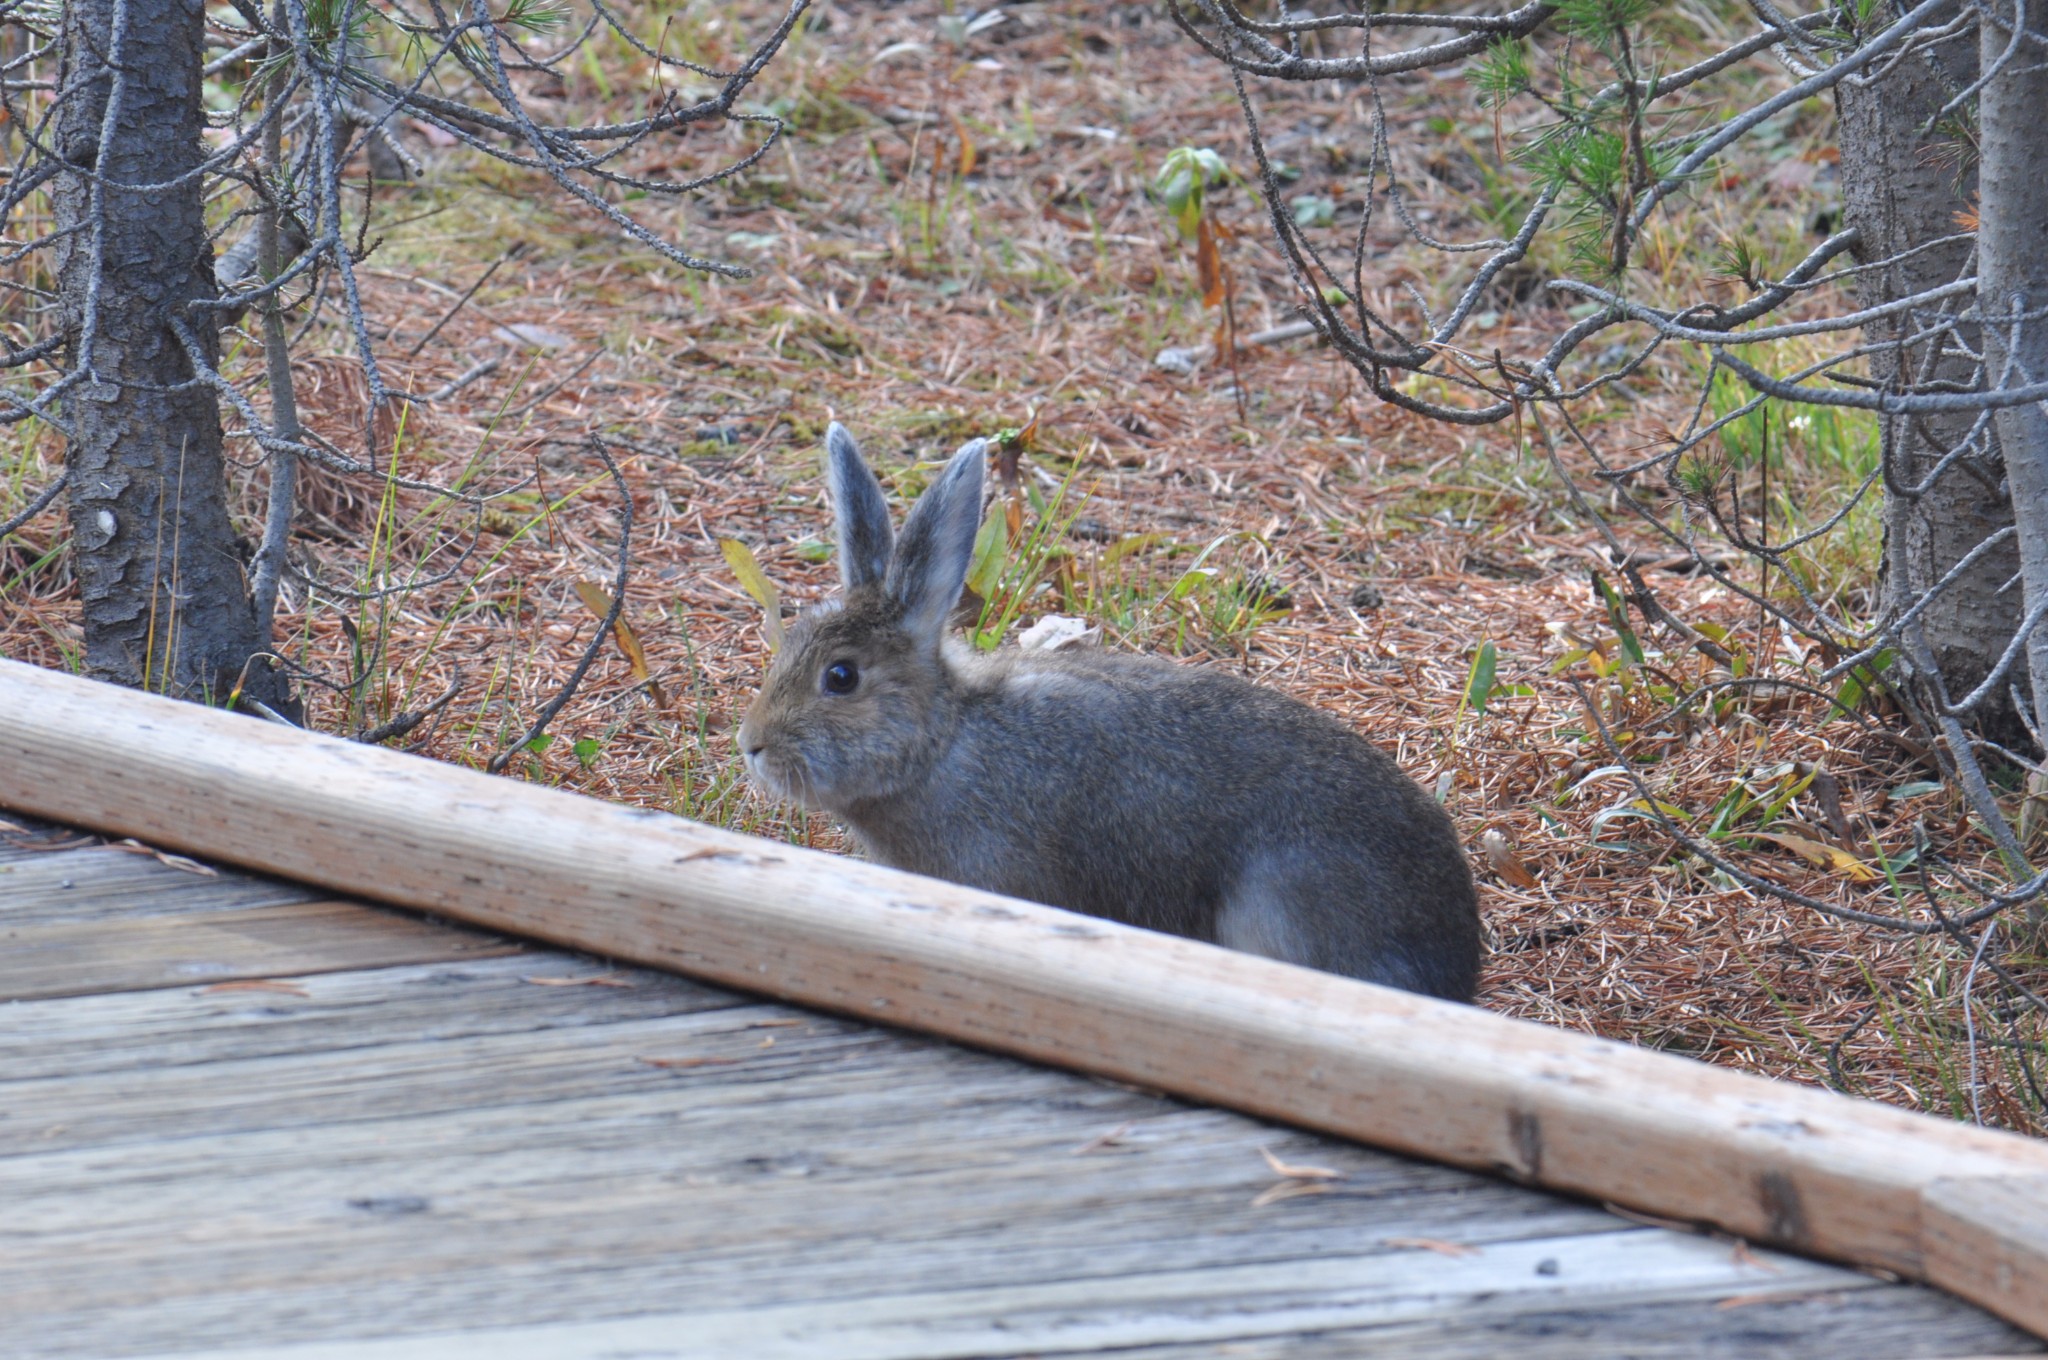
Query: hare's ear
pixel 931 559
pixel 862 514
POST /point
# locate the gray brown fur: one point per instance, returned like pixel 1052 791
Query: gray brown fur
pixel 1178 798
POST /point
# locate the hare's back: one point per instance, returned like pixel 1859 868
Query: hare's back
pixel 1224 754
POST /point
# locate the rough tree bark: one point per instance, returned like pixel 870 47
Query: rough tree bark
pixel 2012 251
pixel 2012 248
pixel 1903 187
pixel 164 600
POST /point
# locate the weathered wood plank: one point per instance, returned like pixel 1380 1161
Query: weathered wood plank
pixel 964 1169
pixel 1877 1324
pixel 769 1238
pixel 839 1133
pixel 840 1174
pixel 1988 1241
pixel 81 1035
pixel 178 951
pixel 90 884
pixel 1211 1308
pixel 397 1080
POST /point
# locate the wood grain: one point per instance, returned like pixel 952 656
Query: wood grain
pixel 1988 1241
pixel 214 947
pixel 1822 1173
pixel 83 1035
pixel 94 883
pixel 1212 1307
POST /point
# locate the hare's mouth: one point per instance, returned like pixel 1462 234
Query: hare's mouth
pixel 780 777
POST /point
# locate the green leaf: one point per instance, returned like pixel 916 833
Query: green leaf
pixel 1195 578
pixel 1313 210
pixel 747 571
pixel 1479 683
pixel 587 749
pixel 540 744
pixel 1617 618
pixel 1860 682
pixel 1124 547
pixel 991 554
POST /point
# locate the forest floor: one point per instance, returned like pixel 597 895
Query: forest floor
pixel 957 239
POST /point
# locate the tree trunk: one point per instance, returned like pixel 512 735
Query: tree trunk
pixel 2012 264
pixel 163 597
pixel 1900 189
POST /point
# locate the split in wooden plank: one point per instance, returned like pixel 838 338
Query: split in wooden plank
pixel 1767 1161
pixel 218 947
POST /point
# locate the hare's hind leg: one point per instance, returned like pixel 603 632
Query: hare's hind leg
pixel 1260 916
pixel 1291 908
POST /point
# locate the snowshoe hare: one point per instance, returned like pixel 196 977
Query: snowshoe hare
pixel 1168 796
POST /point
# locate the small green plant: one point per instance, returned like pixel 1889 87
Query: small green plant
pixel 1012 562
pixel 1225 607
pixel 1773 464
pixel 1480 680
pixel 1183 185
pixel 1139 591
pixel 1314 210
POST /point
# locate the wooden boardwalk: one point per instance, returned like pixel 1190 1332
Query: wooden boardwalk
pixel 238 1117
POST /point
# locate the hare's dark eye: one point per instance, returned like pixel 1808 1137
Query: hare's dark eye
pixel 841 677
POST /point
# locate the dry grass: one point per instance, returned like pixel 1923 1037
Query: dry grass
pixel 922 305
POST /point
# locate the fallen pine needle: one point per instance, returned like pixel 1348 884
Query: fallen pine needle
pixel 1273 1194
pixel 178 862
pixel 1113 1138
pixel 1746 1300
pixel 672 1063
pixel 1437 1245
pixel 598 980
pixel 256 985
pixel 1300 1173
pixel 1741 1255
